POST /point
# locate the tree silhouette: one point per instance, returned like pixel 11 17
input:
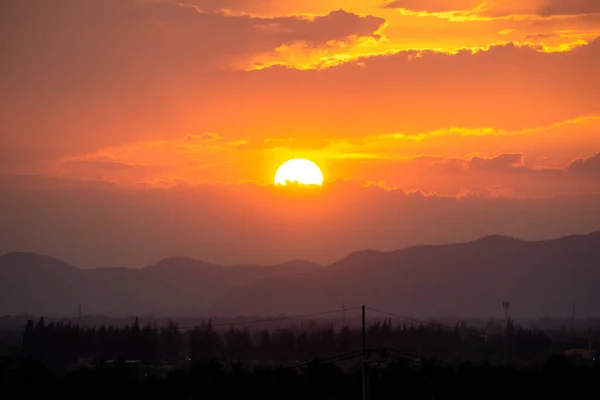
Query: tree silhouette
pixel 64 344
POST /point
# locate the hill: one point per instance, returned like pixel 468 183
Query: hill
pixel 41 285
pixel 539 278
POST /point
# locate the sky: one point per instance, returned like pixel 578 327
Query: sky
pixel 133 130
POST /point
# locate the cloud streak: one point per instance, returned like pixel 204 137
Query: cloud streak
pixel 498 8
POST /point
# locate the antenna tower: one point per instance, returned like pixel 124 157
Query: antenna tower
pixel 506 307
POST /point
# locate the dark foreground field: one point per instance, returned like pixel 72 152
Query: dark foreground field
pixel 214 380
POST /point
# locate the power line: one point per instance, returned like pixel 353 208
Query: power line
pixel 257 321
pixel 419 320
pixel 399 316
pixel 467 329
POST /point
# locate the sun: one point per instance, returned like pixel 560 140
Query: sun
pixel 299 170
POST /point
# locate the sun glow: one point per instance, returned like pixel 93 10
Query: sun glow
pixel 299 170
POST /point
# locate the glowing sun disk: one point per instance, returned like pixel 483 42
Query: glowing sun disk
pixel 299 170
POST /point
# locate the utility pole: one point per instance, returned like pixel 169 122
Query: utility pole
pixel 365 376
pixel 506 307
pixel 364 334
pixel 343 315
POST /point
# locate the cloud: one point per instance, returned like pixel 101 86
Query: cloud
pixel 500 163
pixel 433 6
pixel 499 8
pixel 161 162
pixel 291 143
pixel 249 223
pixel 275 7
pixel 111 166
pixel 517 175
pixel 337 25
pixel 428 90
pixel 455 160
pixel 134 67
pixel 533 178
pixel 573 7
pixel 554 144
pixel 196 162
pixel 134 33
pixel 541 36
pixel 543 8
pixel 492 165
pixel 587 166
pixel 108 171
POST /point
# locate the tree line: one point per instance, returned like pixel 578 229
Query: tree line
pixel 60 344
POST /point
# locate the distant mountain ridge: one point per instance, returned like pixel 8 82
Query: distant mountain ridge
pixel 472 279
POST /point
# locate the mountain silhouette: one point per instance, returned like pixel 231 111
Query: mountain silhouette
pixel 41 285
pixel 539 278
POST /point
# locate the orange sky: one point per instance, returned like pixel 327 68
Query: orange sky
pixel 495 98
